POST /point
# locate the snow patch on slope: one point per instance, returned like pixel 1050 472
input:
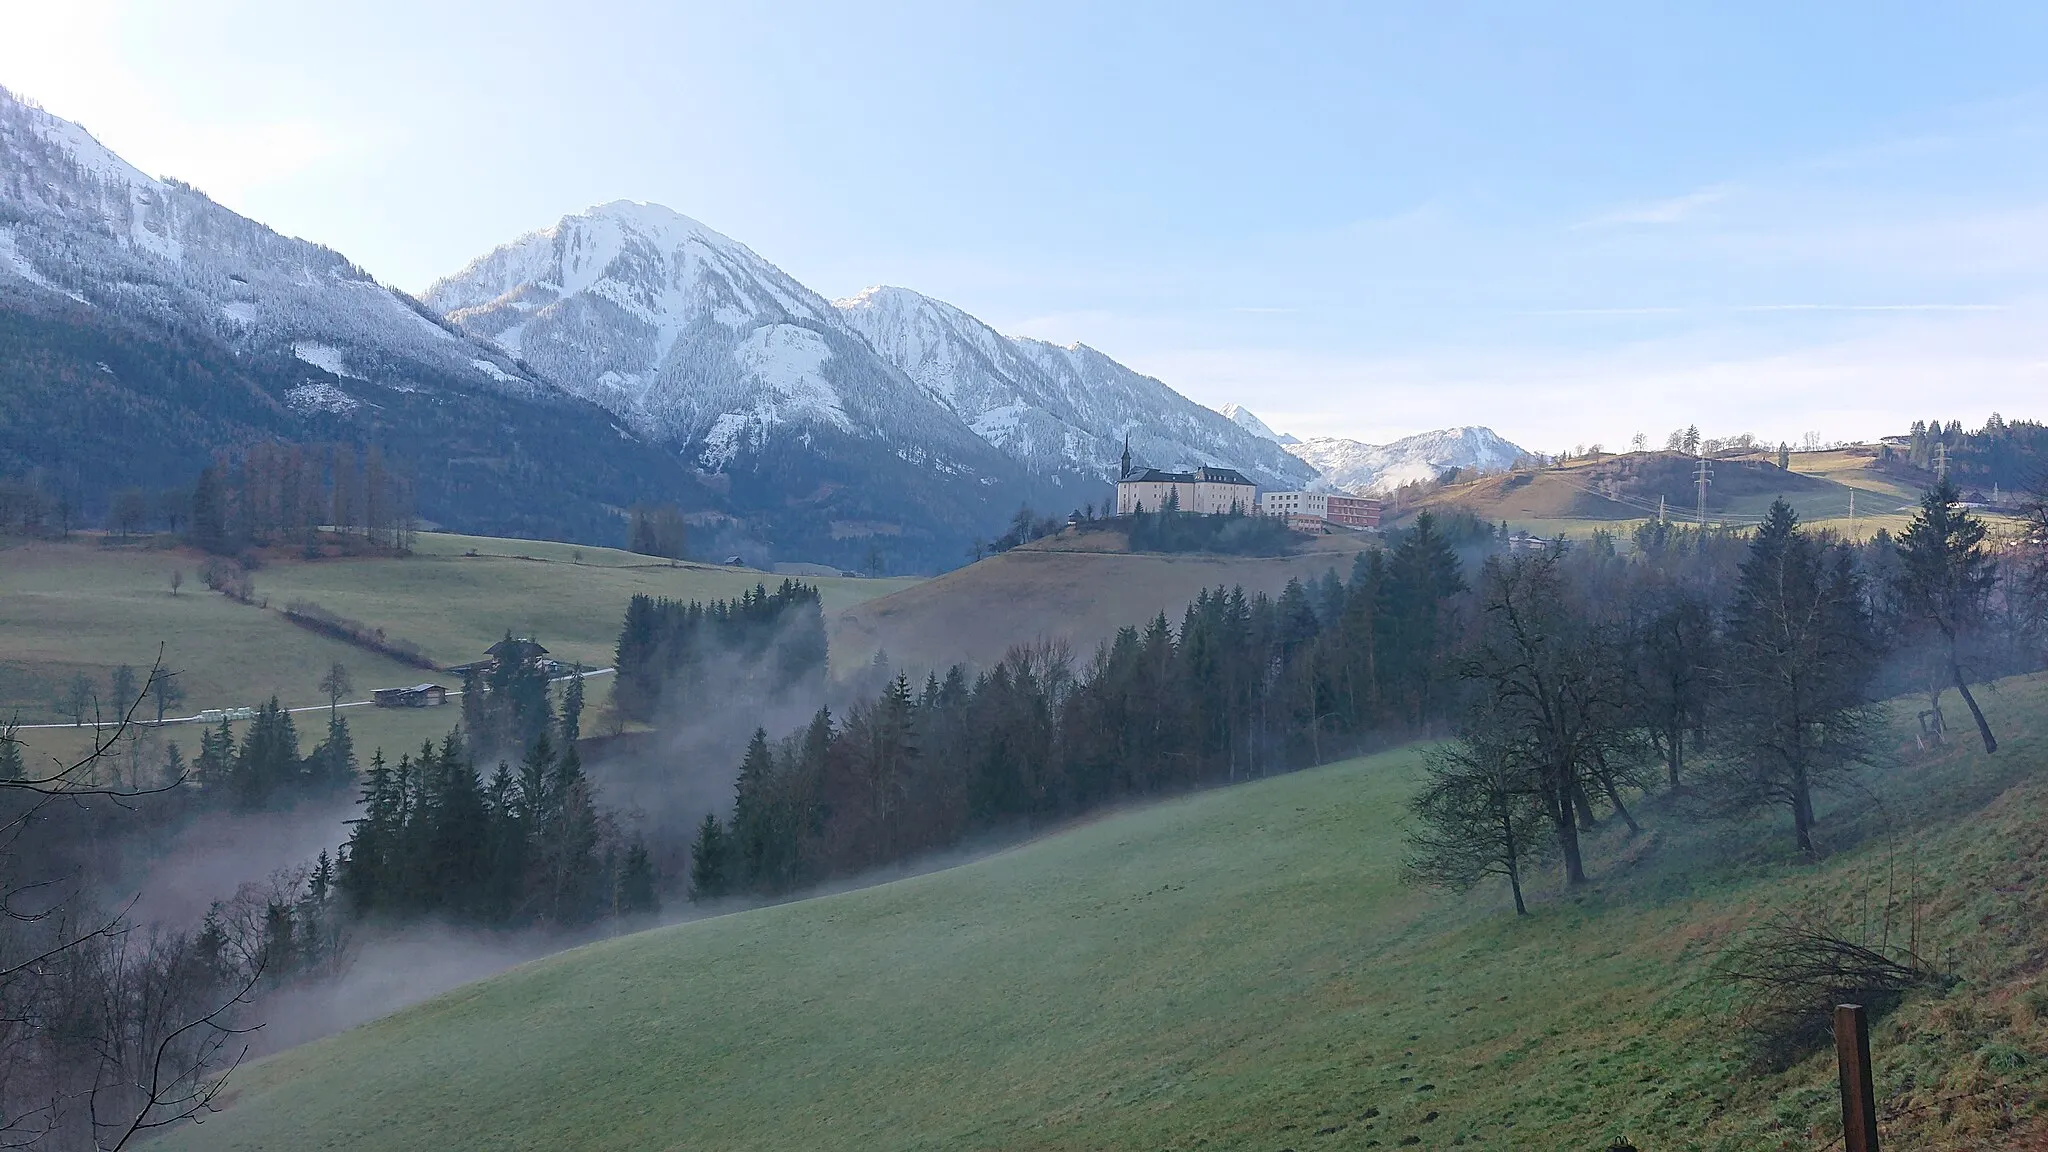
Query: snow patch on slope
pixel 325 357
pixel 790 361
pixel 12 257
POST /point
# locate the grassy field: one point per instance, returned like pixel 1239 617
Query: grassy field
pixel 1825 488
pixel 975 614
pixel 1237 969
pixel 67 608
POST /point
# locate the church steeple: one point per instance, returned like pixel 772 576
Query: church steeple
pixel 1127 457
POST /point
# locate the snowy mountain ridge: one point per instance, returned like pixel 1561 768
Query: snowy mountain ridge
pixel 78 221
pixel 1053 408
pixel 1353 466
pixel 696 340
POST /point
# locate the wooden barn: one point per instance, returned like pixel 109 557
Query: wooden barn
pixel 416 696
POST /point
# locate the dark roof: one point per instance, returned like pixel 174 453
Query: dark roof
pixel 517 647
pixel 1199 475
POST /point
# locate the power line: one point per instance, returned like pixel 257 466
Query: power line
pixel 1703 476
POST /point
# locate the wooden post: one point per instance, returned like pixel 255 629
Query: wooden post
pixel 1859 1101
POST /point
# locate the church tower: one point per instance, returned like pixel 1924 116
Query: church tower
pixel 1127 457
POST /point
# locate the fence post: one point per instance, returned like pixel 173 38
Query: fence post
pixel 1859 1101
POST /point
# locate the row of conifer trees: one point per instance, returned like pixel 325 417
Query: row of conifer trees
pixel 1610 672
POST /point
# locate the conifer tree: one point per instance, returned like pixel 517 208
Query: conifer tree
pixel 267 765
pixel 636 883
pixel 753 812
pixel 1944 581
pixel 708 861
pixel 1801 658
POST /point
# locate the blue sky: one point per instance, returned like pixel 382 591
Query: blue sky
pixel 1356 220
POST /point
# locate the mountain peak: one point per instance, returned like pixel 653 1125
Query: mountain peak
pixel 1354 466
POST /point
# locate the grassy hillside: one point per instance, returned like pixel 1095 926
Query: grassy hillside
pixel 77 607
pixel 1239 968
pixel 1614 492
pixel 1049 590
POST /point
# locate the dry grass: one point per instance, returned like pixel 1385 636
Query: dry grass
pixel 976 613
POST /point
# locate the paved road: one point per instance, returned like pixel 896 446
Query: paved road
pixel 194 718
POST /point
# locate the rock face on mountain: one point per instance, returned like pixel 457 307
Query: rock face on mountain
pixel 1380 468
pixel 1060 411
pixel 1244 418
pixel 144 327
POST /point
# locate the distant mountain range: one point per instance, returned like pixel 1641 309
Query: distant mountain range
pixel 625 354
pixel 1354 466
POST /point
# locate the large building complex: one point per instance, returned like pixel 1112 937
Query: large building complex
pixel 1206 489
pixel 1330 507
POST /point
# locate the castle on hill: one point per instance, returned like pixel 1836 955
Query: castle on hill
pixel 1206 489
pixel 1216 490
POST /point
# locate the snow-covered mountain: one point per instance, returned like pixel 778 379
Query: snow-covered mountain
pixel 695 340
pixel 1056 410
pixel 1379 468
pixel 149 328
pixel 79 222
pixel 698 343
pixel 1244 418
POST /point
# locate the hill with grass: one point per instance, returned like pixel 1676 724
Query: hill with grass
pixel 87 606
pixel 1244 968
pixel 1080 589
pixel 1578 496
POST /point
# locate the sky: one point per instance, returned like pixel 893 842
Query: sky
pixel 1356 220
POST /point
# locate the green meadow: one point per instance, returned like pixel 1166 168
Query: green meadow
pixel 1243 968
pixel 86 607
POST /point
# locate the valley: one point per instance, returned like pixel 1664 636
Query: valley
pixel 1240 968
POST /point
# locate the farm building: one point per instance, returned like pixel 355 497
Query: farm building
pixel 416 696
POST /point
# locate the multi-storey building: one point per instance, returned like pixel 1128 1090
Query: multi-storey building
pixel 1330 507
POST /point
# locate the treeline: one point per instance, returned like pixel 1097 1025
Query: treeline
pixel 1234 533
pixel 285 494
pixel 1748 672
pixel 528 846
pixel 1574 677
pixel 1244 686
pixel 657 530
pixel 313 617
pixel 2004 455
pixel 265 769
pixel 270 494
pixel 693 656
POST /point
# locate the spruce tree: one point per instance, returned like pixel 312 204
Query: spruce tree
pixel 1801 656
pixel 753 813
pixel 708 861
pixel 1944 581
pixel 572 709
pixel 636 883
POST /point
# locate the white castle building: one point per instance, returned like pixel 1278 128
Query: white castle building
pixel 1206 489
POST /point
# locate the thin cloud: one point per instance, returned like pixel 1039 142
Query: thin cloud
pixel 1675 210
pixel 1873 308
